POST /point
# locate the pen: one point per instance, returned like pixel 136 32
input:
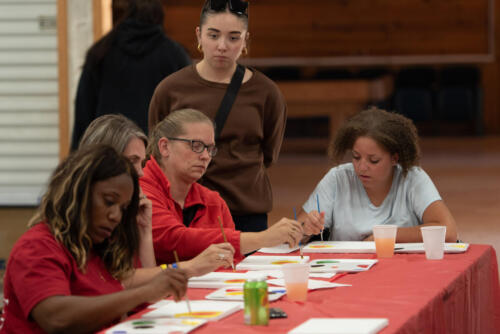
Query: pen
pixel 224 236
pixel 187 299
pixel 300 243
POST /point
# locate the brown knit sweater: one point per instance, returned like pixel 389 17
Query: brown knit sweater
pixel 250 140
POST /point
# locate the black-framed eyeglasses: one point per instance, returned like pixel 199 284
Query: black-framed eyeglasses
pixel 197 146
pixel 237 7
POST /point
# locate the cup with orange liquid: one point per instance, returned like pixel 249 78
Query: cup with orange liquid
pixel 385 237
pixel 296 278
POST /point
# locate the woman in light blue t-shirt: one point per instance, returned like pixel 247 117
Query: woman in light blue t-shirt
pixel 382 185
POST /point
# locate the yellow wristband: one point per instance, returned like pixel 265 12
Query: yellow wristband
pixel 163 266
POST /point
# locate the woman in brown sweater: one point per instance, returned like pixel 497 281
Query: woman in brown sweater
pixel 251 138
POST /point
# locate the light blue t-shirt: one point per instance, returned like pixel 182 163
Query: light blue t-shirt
pixel 349 213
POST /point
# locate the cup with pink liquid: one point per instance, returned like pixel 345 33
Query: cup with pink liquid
pixel 385 237
pixel 296 278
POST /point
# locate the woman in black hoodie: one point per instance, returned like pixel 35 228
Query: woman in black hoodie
pixel 122 69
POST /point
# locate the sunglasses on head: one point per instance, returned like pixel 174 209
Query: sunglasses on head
pixel 237 7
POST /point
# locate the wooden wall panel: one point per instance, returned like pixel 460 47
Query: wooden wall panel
pixel 329 28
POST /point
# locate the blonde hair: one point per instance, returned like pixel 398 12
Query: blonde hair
pixel 115 130
pixel 172 126
pixel 66 208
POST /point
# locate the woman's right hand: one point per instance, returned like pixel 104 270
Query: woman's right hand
pixel 213 257
pixel 284 231
pixel 168 282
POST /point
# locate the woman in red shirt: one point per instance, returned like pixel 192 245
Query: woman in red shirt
pixel 73 270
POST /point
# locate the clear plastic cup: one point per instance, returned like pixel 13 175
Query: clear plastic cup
pixel 385 237
pixel 434 237
pixel 296 279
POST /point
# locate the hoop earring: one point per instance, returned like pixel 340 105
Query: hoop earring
pixel 199 48
pixel 244 51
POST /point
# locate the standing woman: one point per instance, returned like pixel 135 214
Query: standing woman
pixel 73 270
pixel 250 140
pixel 382 185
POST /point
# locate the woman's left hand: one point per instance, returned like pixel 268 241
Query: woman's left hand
pixel 144 215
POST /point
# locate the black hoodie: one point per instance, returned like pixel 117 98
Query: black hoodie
pixel 140 56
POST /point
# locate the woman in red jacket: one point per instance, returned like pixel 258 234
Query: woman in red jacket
pixel 186 214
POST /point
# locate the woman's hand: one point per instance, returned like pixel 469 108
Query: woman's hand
pixel 144 215
pixel 213 257
pixel 284 231
pixel 168 282
pixel 313 222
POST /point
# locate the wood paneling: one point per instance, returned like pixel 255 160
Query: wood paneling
pixel 331 28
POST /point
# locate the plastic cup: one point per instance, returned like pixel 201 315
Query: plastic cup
pixel 296 279
pixel 385 237
pixel 434 237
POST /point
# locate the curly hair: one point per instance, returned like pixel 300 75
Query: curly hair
pixel 66 208
pixel 394 132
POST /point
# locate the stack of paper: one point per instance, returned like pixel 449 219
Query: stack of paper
pixel 200 309
pixel 312 284
pixel 418 247
pixel 236 294
pixel 341 326
pixel 216 280
pixel 280 249
pixel 340 265
pixel 340 247
pixel 256 262
pixel 156 326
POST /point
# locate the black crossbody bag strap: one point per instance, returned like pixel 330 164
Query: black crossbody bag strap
pixel 228 99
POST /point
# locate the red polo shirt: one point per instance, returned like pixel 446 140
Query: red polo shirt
pixel 39 267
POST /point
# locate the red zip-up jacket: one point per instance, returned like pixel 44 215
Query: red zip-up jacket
pixel 169 231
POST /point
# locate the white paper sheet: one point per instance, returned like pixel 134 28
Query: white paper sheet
pixel 341 326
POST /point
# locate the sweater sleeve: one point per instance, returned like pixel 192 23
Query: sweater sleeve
pixel 85 104
pixel 159 106
pixel 274 125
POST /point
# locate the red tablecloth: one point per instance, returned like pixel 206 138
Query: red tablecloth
pixel 459 294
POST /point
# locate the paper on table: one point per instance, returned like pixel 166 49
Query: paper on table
pixel 280 249
pixel 264 262
pixel 161 303
pixel 341 326
pixel 312 284
pixel 236 294
pixel 418 247
pixel 156 326
pixel 201 309
pixel 216 280
pixel 340 247
pixel 341 265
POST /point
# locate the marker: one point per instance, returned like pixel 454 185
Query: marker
pixel 176 266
